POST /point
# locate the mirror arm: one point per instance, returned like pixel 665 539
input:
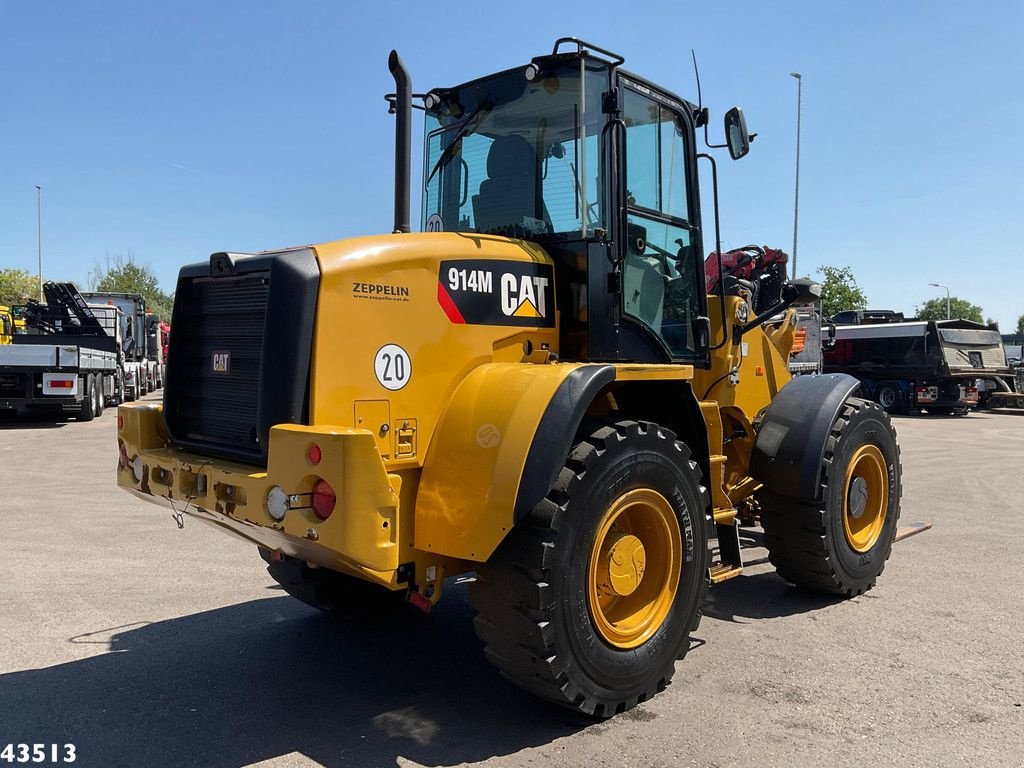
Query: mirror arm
pixel 708 141
pixel 774 310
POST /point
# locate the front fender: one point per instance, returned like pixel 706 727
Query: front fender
pixel 791 439
pixel 496 452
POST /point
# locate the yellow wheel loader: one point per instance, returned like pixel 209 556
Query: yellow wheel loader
pixel 538 388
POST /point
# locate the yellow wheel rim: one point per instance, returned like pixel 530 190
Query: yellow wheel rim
pixel 634 569
pixel 865 498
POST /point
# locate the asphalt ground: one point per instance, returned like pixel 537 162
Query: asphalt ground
pixel 146 645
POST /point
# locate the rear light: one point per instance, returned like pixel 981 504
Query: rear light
pixel 315 454
pixel 324 499
pixel 62 383
pixel 277 503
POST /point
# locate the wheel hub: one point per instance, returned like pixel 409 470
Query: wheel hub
pixel 627 560
pixel 635 566
pixel 858 499
pixel 866 499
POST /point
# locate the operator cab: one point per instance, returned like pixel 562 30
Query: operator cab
pixel 598 167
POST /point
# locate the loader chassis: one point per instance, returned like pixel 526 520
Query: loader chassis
pixel 536 388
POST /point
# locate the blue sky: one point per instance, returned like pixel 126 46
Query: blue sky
pixel 176 129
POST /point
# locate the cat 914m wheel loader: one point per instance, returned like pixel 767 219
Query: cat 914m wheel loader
pixel 538 388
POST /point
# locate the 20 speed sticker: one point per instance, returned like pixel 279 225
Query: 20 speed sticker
pixel 392 367
pixel 481 292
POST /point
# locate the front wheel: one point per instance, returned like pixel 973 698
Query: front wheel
pixel 590 600
pixel 890 397
pixel 840 543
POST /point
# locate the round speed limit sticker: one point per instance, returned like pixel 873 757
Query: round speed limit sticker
pixel 392 367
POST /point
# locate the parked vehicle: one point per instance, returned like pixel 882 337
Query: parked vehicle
pixel 907 365
pixel 142 354
pixel 69 360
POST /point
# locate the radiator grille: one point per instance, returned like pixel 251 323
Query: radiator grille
pixel 223 317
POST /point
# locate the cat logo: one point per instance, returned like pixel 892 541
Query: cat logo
pixel 221 362
pixel 523 296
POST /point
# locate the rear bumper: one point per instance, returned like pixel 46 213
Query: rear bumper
pixel 360 536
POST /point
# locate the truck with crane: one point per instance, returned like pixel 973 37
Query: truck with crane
pixel 69 360
pixel 538 388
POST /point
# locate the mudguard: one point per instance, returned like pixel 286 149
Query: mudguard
pixel 497 449
pixel 790 442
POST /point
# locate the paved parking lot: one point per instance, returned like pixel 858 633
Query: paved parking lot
pixel 146 645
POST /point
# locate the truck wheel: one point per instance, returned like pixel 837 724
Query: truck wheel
pixel 840 544
pixel 590 600
pixel 330 591
pixel 118 389
pixel 890 397
pixel 100 397
pixel 87 410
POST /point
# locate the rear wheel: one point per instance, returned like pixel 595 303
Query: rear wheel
pixel 330 591
pixel 840 544
pixel 590 600
pixel 87 409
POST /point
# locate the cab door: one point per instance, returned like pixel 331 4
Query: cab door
pixel 662 269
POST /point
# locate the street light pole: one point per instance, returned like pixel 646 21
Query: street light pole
pixel 39 236
pixel 940 285
pixel 796 197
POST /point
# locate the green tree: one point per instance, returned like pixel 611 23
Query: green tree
pixel 1020 325
pixel 17 285
pixel 839 291
pixel 935 309
pixel 123 274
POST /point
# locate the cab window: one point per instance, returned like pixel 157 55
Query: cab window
pixel 660 285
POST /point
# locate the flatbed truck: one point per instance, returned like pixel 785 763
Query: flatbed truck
pixel 69 362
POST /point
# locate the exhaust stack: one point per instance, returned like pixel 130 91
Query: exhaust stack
pixel 403 140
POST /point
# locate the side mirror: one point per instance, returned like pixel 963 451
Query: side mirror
pixel 802 292
pixel 736 133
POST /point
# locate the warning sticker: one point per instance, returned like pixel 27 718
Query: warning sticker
pixel 481 292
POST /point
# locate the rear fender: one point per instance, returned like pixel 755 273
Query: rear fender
pixel 496 452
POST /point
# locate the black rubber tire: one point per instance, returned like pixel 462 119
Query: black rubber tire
pixel 530 594
pixel 805 539
pixel 118 389
pixel 890 397
pixel 330 591
pixel 87 410
pixel 100 397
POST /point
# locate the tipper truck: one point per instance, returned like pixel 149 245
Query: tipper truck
pixel 909 365
pixel 539 388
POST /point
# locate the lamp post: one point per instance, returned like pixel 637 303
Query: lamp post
pixel 39 236
pixel 796 196
pixel 940 285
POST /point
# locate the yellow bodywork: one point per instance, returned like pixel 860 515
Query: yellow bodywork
pixel 427 473
pixel 6 325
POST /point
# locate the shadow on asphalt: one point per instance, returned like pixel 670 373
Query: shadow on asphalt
pixel 31 421
pixel 761 596
pixel 270 677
